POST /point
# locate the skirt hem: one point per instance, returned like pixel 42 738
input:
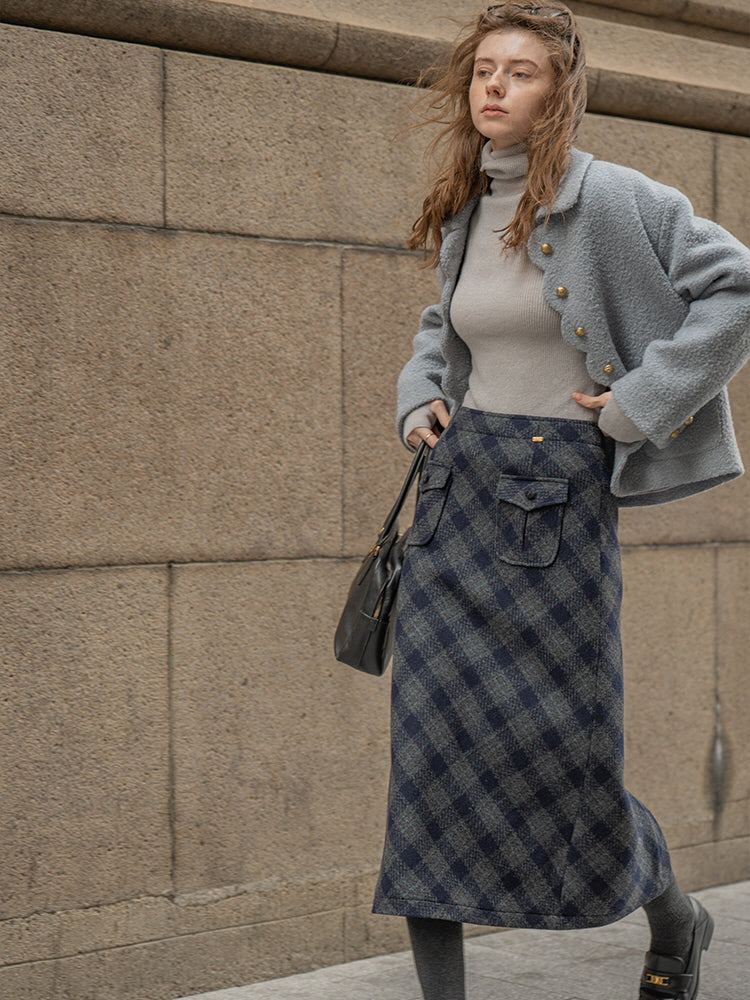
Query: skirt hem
pixel 502 918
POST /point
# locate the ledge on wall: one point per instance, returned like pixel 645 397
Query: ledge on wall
pixel 636 71
pixel 727 15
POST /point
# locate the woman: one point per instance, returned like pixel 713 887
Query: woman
pixel 587 328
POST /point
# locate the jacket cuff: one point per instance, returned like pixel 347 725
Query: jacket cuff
pixel 614 423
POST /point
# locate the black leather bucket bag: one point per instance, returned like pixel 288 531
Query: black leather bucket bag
pixel 364 635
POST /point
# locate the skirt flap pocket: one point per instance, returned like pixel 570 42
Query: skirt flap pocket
pixel 531 494
pixel 434 477
pixel 530 518
pixel 433 489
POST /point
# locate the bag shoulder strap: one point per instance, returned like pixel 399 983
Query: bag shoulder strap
pixel 415 471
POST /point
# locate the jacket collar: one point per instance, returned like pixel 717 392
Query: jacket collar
pixel 570 186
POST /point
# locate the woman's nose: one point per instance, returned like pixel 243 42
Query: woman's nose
pixel 495 85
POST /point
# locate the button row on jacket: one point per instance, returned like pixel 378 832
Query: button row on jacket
pixel 580 331
pixel 687 423
pixel 562 293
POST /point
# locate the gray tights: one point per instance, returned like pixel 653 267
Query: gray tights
pixel 438 945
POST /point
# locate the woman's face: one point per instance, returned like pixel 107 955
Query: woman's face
pixel 512 77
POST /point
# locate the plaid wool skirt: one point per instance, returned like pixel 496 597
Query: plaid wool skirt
pixel 506 803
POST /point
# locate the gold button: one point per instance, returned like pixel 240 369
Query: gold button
pixel 561 292
pixel 546 248
pixel 608 369
pixel 689 421
pixel 580 331
pixel 675 434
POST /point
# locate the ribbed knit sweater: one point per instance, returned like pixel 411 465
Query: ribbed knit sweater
pixel 520 362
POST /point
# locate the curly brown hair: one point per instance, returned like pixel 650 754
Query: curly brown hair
pixel 457 146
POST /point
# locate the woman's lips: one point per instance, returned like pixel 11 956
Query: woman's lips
pixel 493 111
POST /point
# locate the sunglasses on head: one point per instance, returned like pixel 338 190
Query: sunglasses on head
pixel 531 11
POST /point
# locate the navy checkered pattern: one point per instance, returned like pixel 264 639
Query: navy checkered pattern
pixel 506 803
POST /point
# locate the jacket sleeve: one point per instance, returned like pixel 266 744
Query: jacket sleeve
pixel 421 378
pixel 710 270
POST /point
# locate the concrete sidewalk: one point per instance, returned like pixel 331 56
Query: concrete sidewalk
pixel 600 964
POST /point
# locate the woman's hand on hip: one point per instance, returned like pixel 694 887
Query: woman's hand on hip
pixel 592 402
pixel 431 434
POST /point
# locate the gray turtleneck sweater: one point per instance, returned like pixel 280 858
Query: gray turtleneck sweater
pixel 520 362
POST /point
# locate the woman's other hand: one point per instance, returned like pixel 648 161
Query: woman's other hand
pixel 431 434
pixel 592 402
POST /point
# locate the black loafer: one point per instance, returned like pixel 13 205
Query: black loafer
pixel 668 977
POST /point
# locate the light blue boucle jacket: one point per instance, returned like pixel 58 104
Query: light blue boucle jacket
pixel 664 300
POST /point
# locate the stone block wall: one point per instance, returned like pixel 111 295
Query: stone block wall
pixel 205 303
